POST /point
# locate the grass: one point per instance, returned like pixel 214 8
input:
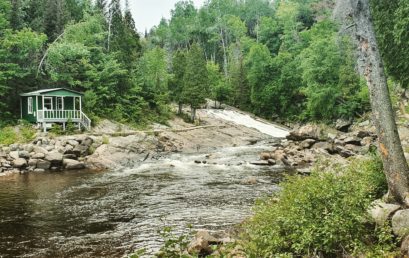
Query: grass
pixel 23 133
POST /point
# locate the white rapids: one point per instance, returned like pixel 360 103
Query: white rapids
pixel 248 121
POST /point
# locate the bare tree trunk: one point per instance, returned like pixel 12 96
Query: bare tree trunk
pixel 225 64
pixel 193 114
pixel 180 106
pixel 395 166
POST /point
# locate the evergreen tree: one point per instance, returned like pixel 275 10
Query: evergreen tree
pixel 176 84
pixel 196 85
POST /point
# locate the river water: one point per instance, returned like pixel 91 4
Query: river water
pixel 110 214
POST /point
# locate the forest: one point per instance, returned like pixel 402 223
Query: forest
pixel 281 59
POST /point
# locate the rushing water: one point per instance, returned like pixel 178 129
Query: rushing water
pixel 85 214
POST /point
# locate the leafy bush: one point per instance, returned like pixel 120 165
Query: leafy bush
pixel 324 214
pixel 21 134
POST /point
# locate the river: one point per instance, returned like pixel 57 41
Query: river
pixel 110 214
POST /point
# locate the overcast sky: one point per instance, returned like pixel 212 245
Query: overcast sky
pixel 148 13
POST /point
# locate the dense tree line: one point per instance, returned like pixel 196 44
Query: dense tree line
pixel 282 59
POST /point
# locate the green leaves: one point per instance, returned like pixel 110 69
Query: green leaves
pixel 325 213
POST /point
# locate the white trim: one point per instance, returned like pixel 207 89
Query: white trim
pixel 62 103
pixel 30 105
pixel 80 104
pixel 51 98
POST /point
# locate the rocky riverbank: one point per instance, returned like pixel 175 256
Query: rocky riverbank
pixel 306 144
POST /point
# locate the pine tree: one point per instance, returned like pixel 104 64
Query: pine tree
pixel 196 86
pixel 176 84
pixel 55 18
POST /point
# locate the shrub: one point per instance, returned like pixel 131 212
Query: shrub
pixel 8 136
pixel 324 214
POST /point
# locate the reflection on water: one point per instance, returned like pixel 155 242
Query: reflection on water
pixel 110 214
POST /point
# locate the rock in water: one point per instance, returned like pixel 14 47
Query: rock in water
pixel 71 164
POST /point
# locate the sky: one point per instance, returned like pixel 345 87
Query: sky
pixel 148 13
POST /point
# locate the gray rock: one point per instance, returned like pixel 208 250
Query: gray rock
pixel 260 163
pixel 353 140
pixel 87 141
pixel 68 149
pixel 380 211
pixel 38 156
pixel 363 134
pixel 54 157
pixel 81 150
pixel 324 146
pixel 364 123
pixel 20 163
pixel 33 162
pixel 73 164
pixel 307 143
pixel 69 156
pixel 39 170
pixel 38 149
pixel 305 132
pixel 24 154
pixel 400 223
pixel 14 154
pixel 14 147
pixel 49 147
pixel 73 143
pixel 404 247
pixel 343 125
pixel 29 148
pixel 43 164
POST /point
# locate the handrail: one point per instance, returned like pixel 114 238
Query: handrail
pixel 57 115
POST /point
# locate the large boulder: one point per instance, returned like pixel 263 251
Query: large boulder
pixel 400 223
pixel 306 132
pixel 43 164
pixel 20 163
pixel 353 140
pixel 73 164
pixel 380 211
pixel 54 157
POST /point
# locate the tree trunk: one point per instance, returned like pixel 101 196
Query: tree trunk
pixel 180 106
pixel 395 166
pixel 193 114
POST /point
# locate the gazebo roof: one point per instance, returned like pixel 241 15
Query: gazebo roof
pixel 45 91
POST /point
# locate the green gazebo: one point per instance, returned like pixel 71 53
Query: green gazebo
pixel 49 106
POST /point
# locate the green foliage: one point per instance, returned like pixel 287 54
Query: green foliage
pixel 391 25
pixel 196 85
pixel 174 246
pixel 22 133
pixel 323 214
pixel 8 136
